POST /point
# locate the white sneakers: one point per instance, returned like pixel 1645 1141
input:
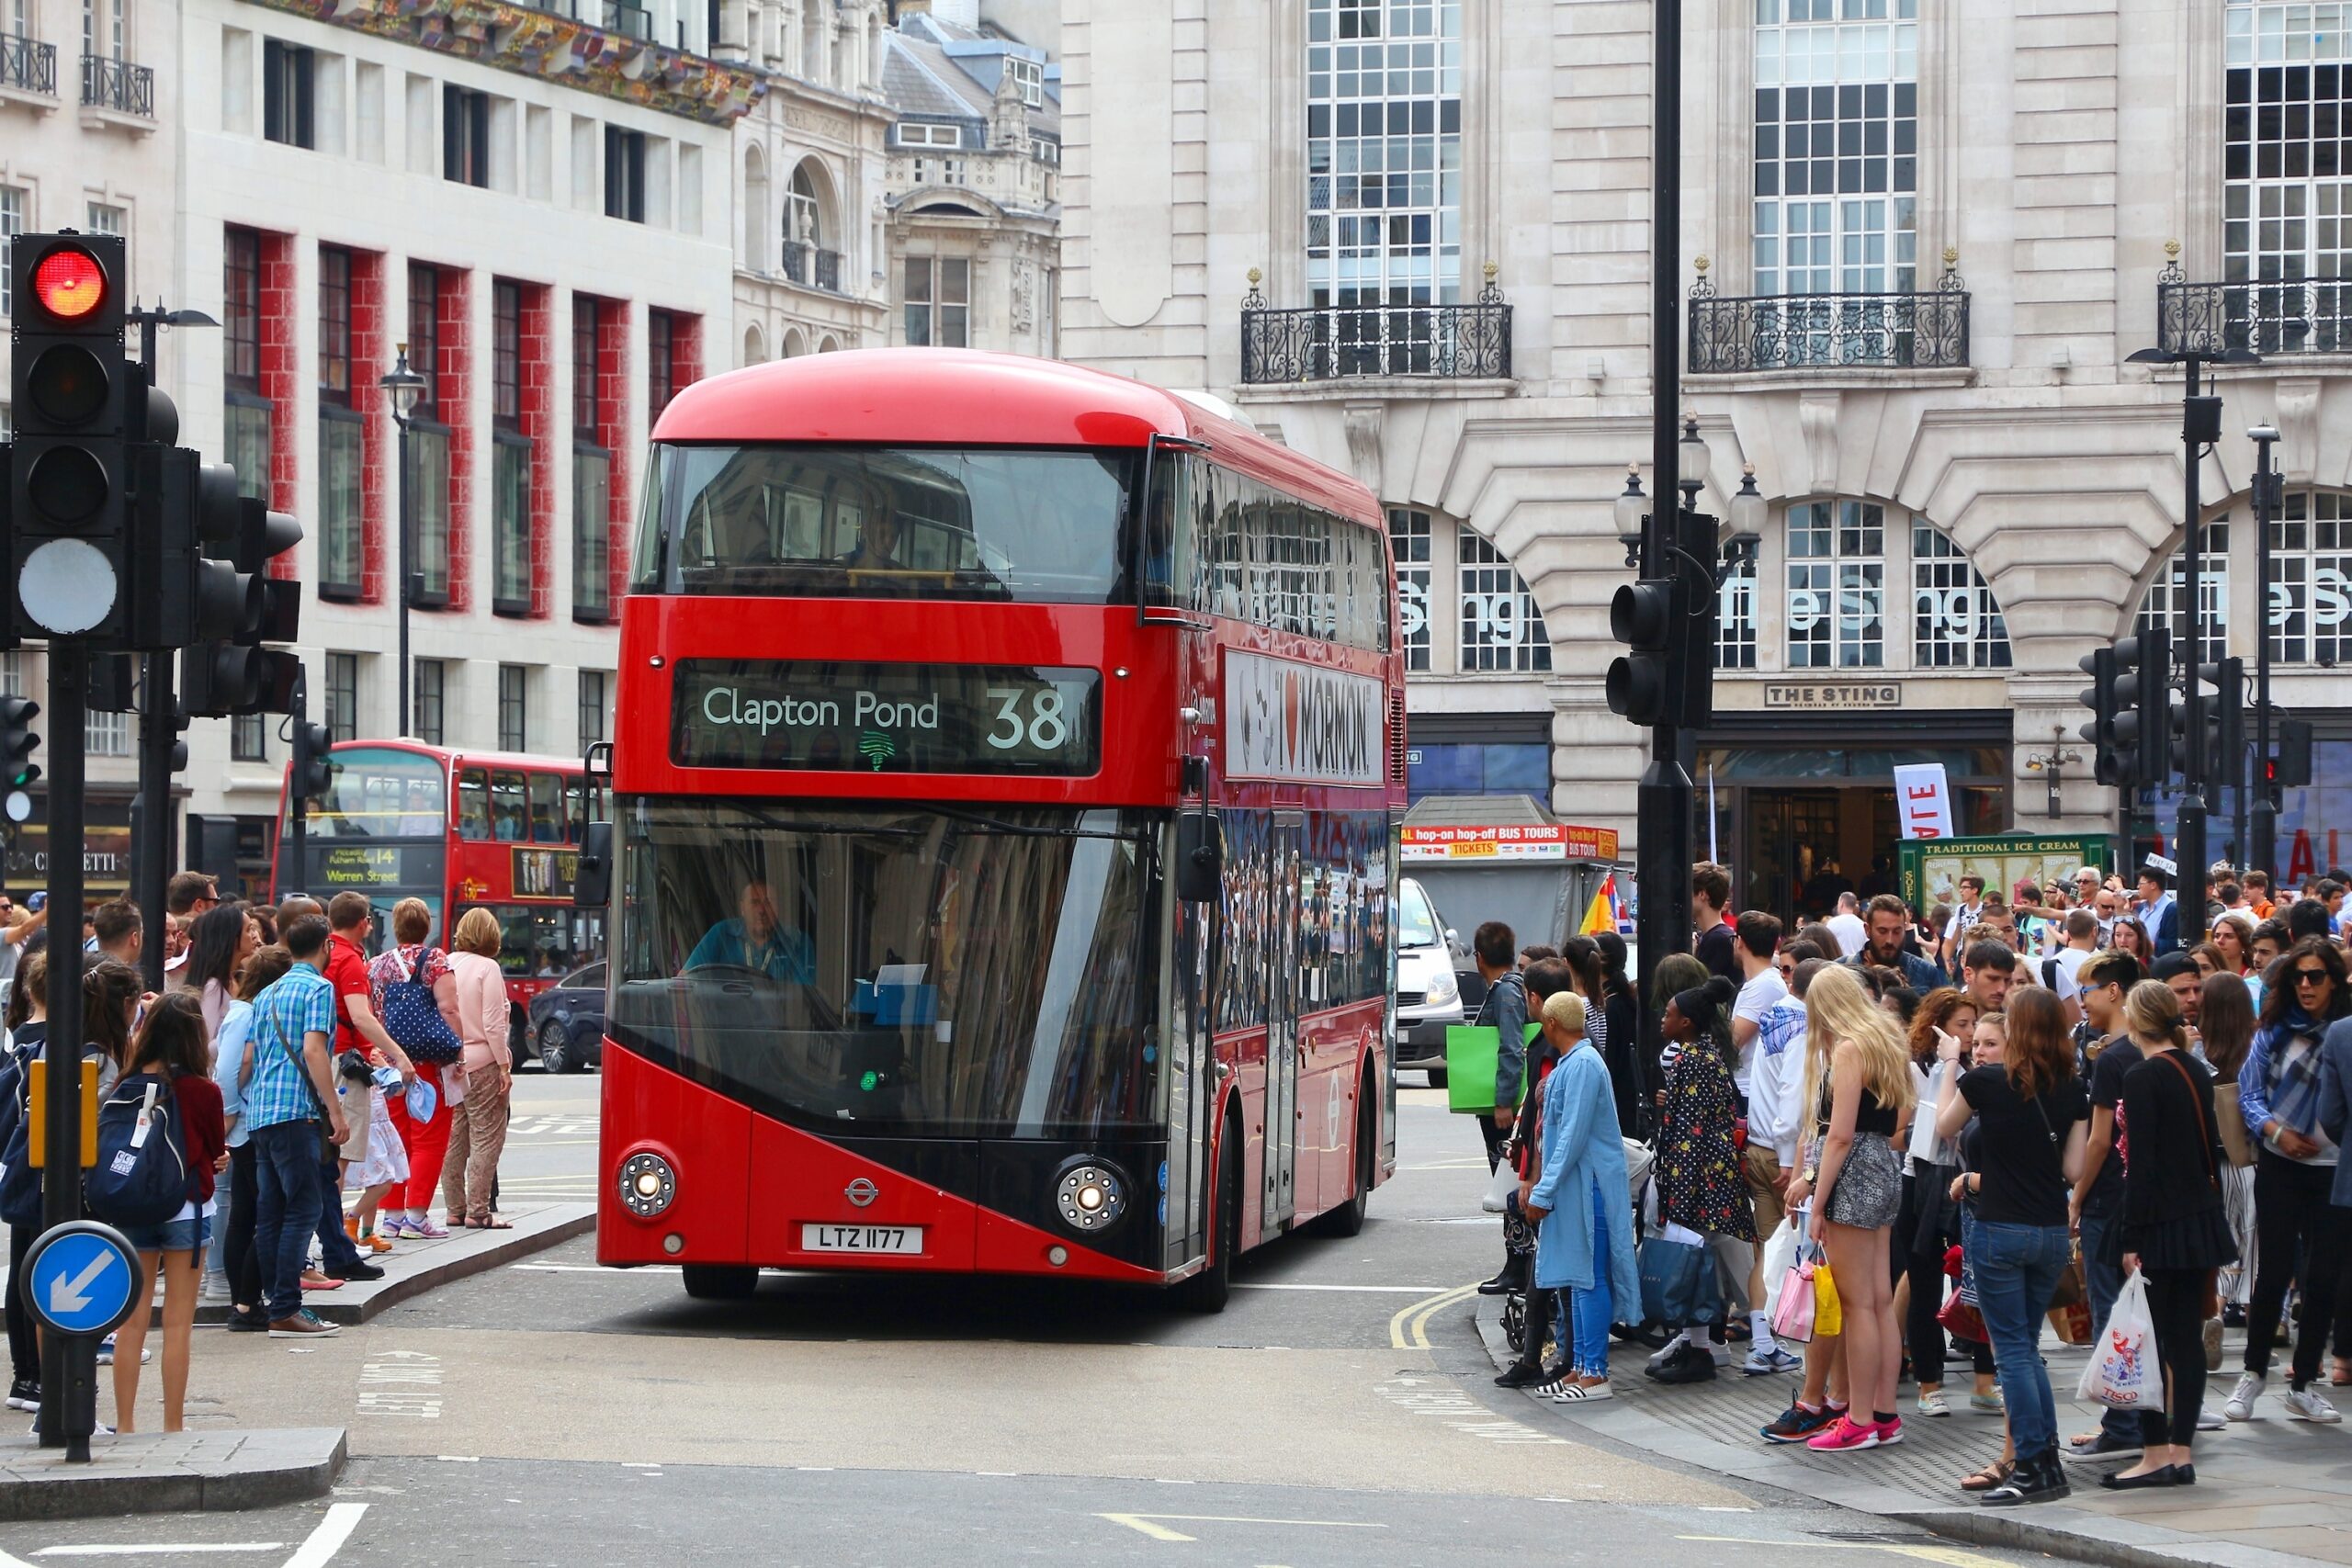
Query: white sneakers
pixel 2241 1398
pixel 2310 1405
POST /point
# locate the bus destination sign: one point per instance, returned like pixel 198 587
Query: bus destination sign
pixel 885 718
pixel 366 868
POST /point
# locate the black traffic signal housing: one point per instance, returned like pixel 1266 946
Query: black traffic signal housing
pixel 2100 698
pixel 311 773
pixel 231 672
pixel 2224 721
pixel 69 479
pixel 2290 768
pixel 1702 608
pixel 2145 707
pixel 17 743
pixel 1645 683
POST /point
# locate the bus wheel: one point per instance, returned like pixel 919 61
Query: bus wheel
pixel 1347 1218
pixel 1207 1291
pixel 555 1048
pixel 719 1281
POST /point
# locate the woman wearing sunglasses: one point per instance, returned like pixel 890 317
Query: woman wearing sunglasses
pixel 2279 1090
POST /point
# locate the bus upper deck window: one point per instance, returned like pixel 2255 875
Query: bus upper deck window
pixel 546 808
pixel 507 821
pixel 473 803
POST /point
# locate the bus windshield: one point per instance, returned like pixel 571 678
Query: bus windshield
pixel 380 793
pixel 864 522
pixel 898 970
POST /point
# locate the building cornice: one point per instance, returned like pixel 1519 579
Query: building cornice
pixel 531 42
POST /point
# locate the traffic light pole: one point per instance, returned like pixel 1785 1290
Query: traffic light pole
pixel 2263 834
pixel 152 847
pixel 2189 846
pixel 295 878
pixel 64 1372
pixel 1663 801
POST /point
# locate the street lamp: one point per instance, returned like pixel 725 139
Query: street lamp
pixel 1632 509
pixel 2264 838
pixel 2048 763
pixel 405 388
pixel 1690 463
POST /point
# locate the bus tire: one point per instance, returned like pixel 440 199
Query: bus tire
pixel 720 1281
pixel 1347 1218
pixel 1208 1290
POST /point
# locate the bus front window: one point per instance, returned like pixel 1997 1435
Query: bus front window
pixel 379 793
pixel 914 972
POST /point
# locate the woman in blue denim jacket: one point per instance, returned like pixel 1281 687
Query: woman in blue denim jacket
pixel 1582 1201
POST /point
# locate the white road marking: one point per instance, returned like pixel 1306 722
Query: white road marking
pixel 328 1538
pixel 392 1383
pixel 1143 1523
pixel 1359 1290
pixel 1458 1410
pixel 458 1459
pixel 117 1550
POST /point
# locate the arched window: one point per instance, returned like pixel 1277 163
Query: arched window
pixel 755 345
pixel 828 345
pixel 2160 603
pixel 1736 622
pixel 1955 622
pixel 2310 616
pixel 1836 585
pixel 802 217
pixel 794 346
pixel 1501 628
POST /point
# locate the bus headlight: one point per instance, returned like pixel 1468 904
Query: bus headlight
pixel 1090 1195
pixel 648 1185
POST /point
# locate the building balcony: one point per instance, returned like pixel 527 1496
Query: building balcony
pixel 1337 342
pixel 806 265
pixel 2273 317
pixel 28 65
pixel 116 86
pixel 1829 332
pixel 629 21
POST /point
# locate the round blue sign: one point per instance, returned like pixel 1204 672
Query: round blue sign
pixel 80 1278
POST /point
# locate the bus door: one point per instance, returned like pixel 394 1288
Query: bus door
pixel 1284 851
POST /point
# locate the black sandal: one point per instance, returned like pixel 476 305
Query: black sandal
pixel 1994 1474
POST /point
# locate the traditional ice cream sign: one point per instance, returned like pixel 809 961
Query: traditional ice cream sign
pixel 1301 722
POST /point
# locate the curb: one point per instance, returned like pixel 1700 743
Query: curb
pixel 446 1265
pixel 2052 1528
pixel 254 1470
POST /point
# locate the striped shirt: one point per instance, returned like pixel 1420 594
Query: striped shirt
pixel 302 1003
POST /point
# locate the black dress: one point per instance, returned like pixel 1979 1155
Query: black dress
pixel 2172 1214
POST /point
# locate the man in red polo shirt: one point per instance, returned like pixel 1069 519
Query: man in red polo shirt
pixel 351 918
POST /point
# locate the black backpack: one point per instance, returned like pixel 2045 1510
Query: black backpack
pixel 20 1178
pixel 140 1178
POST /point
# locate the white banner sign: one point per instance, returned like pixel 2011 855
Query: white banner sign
pixel 1301 722
pixel 1923 800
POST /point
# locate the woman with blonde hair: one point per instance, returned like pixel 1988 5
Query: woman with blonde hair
pixel 478 1123
pixel 1580 1200
pixel 1858 1089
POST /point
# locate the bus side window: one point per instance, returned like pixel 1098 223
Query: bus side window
pixel 575 809
pixel 546 808
pixel 473 803
pixel 506 807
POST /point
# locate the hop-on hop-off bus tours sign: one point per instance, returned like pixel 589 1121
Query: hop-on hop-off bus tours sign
pixel 1302 723
pixel 895 719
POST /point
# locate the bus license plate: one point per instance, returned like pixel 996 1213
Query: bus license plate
pixel 903 1239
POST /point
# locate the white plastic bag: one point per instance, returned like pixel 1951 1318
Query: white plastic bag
pixel 1499 1187
pixel 2123 1374
pixel 1779 1256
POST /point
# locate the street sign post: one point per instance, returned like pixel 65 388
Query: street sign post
pixel 82 1282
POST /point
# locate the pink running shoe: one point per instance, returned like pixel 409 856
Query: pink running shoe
pixel 1890 1433
pixel 1849 1436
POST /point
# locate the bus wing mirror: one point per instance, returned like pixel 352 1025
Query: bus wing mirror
pixel 591 884
pixel 1200 857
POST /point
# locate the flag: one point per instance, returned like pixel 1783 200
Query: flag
pixel 1602 916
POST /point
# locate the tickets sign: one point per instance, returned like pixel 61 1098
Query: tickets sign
pixel 1557 844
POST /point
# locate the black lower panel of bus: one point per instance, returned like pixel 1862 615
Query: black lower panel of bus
pixel 1021 1179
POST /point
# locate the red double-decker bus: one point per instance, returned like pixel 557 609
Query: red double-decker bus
pixel 1005 783
pixel 456 829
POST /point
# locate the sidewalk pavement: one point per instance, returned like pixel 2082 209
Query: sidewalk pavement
pixel 153 1473
pixel 2270 1492
pixel 412 1267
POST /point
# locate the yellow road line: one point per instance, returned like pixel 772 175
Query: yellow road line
pixel 1408 1330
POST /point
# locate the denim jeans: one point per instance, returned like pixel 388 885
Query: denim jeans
pixel 286 1210
pixel 2017 1269
pixel 1593 1307
pixel 335 1248
pixel 2105 1283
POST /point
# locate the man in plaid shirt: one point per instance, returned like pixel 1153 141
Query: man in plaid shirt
pixel 291 1081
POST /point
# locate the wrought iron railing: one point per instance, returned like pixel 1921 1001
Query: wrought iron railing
pixel 1335 343
pixel 118 84
pixel 1808 332
pixel 28 64
pixel 805 263
pixel 829 270
pixel 796 260
pixel 2276 316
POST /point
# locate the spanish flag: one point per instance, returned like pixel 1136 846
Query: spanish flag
pixel 1602 916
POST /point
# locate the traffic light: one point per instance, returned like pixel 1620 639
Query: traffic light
pixel 17 743
pixel 69 478
pixel 1702 604
pixel 311 773
pixel 2145 704
pixel 230 671
pixel 2224 721
pixel 2291 767
pixel 2100 698
pixel 1645 685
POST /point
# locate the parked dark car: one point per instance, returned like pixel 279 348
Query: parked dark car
pixel 567 1021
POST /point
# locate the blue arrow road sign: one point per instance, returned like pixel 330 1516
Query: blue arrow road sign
pixel 80 1278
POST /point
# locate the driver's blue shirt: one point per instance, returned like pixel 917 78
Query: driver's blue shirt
pixel 784 956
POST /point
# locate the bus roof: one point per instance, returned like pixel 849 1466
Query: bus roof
pixel 464 756
pixel 954 396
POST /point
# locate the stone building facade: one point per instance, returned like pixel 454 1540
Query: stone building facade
pixel 1924 241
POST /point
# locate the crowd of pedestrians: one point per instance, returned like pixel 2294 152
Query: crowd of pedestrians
pixel 319 1094
pixel 1981 1122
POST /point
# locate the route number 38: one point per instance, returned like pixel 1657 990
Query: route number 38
pixel 1043 728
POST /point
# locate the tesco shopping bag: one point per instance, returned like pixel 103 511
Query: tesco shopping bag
pixel 2123 1374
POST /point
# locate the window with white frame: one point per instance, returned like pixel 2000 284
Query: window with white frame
pixel 1955 624
pixel 2160 605
pixel 2287 172
pixel 105 218
pixel 1735 624
pixel 1411 539
pixel 15 206
pixel 1029 76
pixel 1835 608
pixel 916 134
pixel 938 301
pixel 939 171
pixel 343 696
pixel 2311 579
pixel 106 734
pixel 1384 151
pixel 595 707
pixel 1501 628
pixel 249 738
pixel 1837 146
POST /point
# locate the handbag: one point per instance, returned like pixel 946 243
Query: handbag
pixel 1499 1187
pixel 2236 1142
pixel 1677 1282
pixel 413 1019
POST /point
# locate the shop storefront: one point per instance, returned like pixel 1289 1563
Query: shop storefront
pixel 106 847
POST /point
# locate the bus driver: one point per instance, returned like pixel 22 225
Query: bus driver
pixel 756 939
pixel 877 544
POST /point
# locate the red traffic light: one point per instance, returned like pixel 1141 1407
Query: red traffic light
pixel 69 283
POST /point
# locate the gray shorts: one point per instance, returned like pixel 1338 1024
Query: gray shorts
pixel 1869 1185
